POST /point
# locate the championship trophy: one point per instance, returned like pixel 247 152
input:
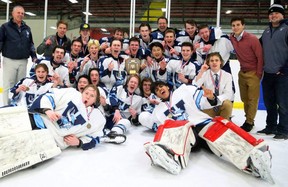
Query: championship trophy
pixel 132 65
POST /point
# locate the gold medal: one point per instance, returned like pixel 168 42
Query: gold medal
pixel 27 88
pixel 169 115
pixel 88 126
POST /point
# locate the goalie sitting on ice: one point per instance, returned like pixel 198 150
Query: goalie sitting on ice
pixel 183 125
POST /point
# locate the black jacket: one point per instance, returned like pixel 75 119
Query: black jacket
pixel 16 42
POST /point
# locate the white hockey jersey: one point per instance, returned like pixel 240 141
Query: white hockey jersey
pixel 185 103
pixel 115 77
pixel 34 89
pixel 62 71
pixel 85 123
pixel 120 98
pixel 176 66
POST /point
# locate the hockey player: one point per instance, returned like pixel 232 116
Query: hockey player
pixel 27 89
pixel 56 67
pixel 126 104
pixel 190 34
pixel 172 48
pixel 105 42
pixel 213 40
pixel 92 59
pixel 156 69
pixel 149 101
pixel 82 82
pixel 183 70
pixel 146 37
pixel 185 122
pixel 72 118
pixel 112 67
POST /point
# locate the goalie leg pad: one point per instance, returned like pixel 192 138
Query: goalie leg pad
pixel 14 120
pixel 229 141
pixel 178 138
pixel 22 150
pixel 161 157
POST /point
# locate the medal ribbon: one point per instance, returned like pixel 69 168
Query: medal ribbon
pixel 170 103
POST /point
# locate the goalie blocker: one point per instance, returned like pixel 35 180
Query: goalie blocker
pixel 173 141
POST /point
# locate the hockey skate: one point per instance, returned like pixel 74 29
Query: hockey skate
pixel 163 158
pixel 261 164
pixel 113 137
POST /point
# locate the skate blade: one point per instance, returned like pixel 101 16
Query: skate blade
pixel 160 158
pixel 261 160
pixel 118 139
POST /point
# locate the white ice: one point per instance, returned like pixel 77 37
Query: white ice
pixel 128 165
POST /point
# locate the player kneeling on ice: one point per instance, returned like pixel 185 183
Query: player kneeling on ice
pixel 183 125
pixel 71 118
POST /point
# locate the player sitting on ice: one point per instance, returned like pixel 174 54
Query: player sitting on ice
pixel 179 111
pixel 72 119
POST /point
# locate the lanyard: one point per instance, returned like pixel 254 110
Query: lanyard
pixel 213 80
pixel 131 98
pixel 183 64
pixel 89 113
pixel 169 106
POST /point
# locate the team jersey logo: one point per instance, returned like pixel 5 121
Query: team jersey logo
pixel 71 117
pixel 177 111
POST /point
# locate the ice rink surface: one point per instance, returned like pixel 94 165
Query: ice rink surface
pixel 127 165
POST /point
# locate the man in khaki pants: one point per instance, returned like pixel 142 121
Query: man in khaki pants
pixel 249 53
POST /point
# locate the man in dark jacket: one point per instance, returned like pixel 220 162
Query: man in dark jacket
pixel 16 45
pixel 275 80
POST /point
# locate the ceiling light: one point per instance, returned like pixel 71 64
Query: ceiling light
pixel 5 1
pixel 103 29
pixel 163 9
pixel 73 1
pixel 228 12
pixel 30 13
pixel 54 28
pixel 89 14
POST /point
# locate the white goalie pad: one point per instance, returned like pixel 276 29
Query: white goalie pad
pixel 232 143
pixel 14 120
pixel 173 142
pixel 25 149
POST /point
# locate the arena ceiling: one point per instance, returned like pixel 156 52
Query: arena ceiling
pixel 118 11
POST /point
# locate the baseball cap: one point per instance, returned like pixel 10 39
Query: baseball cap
pixel 84 26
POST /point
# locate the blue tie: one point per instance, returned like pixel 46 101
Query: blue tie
pixel 216 84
